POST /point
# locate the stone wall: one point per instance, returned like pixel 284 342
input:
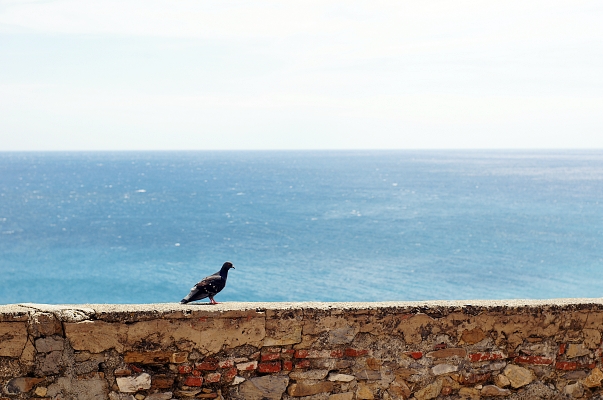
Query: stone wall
pixel 331 351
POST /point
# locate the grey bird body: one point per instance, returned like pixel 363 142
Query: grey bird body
pixel 209 286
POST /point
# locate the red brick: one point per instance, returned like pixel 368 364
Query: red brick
pixel 589 366
pixel 213 377
pixel 271 356
pixel 273 366
pixel 229 375
pixel 287 365
pixel 226 364
pixel 248 366
pixel 355 352
pixel 566 366
pixel 477 357
pixel 196 373
pixel 193 381
pixel 562 348
pixel 336 353
pixel 440 346
pixel 207 366
pixel 414 354
pixel 288 351
pixel 303 364
pixel 301 354
pixel 535 360
pixel 162 382
pixel 184 369
pixel 446 390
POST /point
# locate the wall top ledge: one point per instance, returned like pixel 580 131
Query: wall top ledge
pixel 82 312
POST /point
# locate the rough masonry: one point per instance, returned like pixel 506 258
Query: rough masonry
pixel 315 351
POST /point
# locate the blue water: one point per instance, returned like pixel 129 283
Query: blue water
pixel 137 227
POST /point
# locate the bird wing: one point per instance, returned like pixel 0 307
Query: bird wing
pixel 209 286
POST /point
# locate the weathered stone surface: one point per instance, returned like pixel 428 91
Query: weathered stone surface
pixel 312 374
pixel 364 392
pixel 41 391
pixel 469 393
pixel 44 324
pixel 266 387
pixel 518 376
pixel 368 374
pixel 574 390
pixel 96 336
pixel 94 388
pixel 594 378
pixel 13 337
pixel 48 344
pixel 155 357
pixel 335 377
pixel 303 389
pixel 209 335
pixel 441 369
pixel 342 396
pixel 159 396
pixel 398 389
pixel 121 396
pixel 494 391
pixel 21 385
pixel 430 391
pixel 342 335
pixel 132 384
pixel 473 336
pixel 501 381
pixel 49 363
pixel 576 350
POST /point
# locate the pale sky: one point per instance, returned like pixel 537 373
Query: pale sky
pixel 202 75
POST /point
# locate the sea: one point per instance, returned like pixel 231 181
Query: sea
pixel 144 227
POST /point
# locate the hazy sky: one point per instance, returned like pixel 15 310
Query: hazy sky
pixel 138 75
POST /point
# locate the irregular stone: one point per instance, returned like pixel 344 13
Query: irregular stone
pixel 469 393
pixel 303 389
pixel 575 375
pixel 94 388
pixel 398 389
pixel 342 335
pixel 335 377
pixel 13 337
pixel 441 369
pixel 342 396
pixel 575 390
pixel 237 380
pixel 518 376
pixel 576 350
pixel 29 352
pixel 594 378
pixel 159 396
pixel 368 374
pixel 96 336
pixel 49 363
pixel 592 338
pixel 316 374
pixel 282 332
pixel 501 381
pixel 41 391
pixel 491 390
pixel 269 387
pixel 446 353
pixel 48 344
pixel 44 324
pixel 21 385
pixel 364 392
pixel 473 336
pixel 132 384
pixel 248 366
pixel 430 391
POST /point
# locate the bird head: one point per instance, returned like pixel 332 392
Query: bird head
pixel 227 265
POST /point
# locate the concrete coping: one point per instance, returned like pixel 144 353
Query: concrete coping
pixel 81 312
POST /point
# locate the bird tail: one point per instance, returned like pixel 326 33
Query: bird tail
pixel 183 301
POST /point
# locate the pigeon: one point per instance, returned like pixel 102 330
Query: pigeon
pixel 209 286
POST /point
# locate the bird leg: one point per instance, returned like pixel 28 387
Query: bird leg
pixel 212 301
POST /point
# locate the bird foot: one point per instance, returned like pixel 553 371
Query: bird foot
pixel 212 301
